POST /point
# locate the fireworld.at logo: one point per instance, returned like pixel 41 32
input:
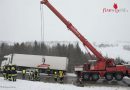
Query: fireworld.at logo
pixel 114 9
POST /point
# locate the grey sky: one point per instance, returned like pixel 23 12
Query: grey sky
pixel 20 20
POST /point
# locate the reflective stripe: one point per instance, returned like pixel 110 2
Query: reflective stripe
pixel 61 74
pixel 23 71
pixel 14 74
pixel 9 75
pixel 55 76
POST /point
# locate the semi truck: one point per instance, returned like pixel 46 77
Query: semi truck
pixel 102 67
pixel 36 61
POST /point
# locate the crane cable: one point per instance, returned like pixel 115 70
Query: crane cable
pixel 91 57
pixel 42 31
pixel 42 22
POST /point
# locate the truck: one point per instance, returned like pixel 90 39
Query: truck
pixel 102 67
pixel 41 62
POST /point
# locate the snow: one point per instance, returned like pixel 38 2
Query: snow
pixel 114 50
pixel 30 85
pixel 71 74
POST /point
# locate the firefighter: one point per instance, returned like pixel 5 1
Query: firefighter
pixel 23 73
pixel 61 76
pixel 14 73
pixel 36 75
pixel 55 76
pixel 4 72
pixel 31 74
pixel 80 80
pixel 9 73
pixel 48 71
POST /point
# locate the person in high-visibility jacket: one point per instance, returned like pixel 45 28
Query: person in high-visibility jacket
pixel 4 72
pixel 48 71
pixel 55 76
pixel 14 73
pixel 9 73
pixel 23 73
pixel 61 76
pixel 36 75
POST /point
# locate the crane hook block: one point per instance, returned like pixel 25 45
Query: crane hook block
pixel 44 2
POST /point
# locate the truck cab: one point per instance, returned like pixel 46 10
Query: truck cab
pixel 90 65
pixel 6 60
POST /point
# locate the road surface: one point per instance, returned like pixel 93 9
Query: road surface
pixel 70 79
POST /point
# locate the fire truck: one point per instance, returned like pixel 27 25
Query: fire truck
pixel 93 70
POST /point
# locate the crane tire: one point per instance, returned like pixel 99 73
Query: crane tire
pixel 86 76
pixel 109 76
pixel 95 76
pixel 119 76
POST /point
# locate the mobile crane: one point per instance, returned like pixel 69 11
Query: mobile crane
pixel 102 67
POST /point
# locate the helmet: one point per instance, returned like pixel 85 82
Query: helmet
pixel 8 68
pixel 55 72
pixel 13 68
pixel 37 70
pixel 60 71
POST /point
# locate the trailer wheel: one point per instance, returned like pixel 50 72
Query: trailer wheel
pixel 87 76
pixel 119 76
pixel 109 76
pixel 95 76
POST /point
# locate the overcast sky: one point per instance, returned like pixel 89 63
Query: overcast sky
pixel 20 20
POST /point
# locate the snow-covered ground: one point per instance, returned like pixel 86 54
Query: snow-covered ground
pixel 71 74
pixel 30 85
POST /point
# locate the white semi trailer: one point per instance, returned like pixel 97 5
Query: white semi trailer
pixel 37 61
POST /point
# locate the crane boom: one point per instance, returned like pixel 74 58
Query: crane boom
pixel 74 30
pixel 103 67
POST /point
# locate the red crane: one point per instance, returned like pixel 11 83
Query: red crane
pixel 103 67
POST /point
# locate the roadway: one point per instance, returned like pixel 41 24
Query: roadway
pixel 71 79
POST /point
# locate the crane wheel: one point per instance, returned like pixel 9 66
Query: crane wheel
pixel 95 76
pixel 119 76
pixel 108 76
pixel 86 76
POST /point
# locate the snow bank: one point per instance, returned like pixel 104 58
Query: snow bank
pixel 30 85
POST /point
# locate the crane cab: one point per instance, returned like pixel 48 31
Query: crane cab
pixel 90 65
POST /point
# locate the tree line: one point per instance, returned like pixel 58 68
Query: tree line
pixel 75 55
